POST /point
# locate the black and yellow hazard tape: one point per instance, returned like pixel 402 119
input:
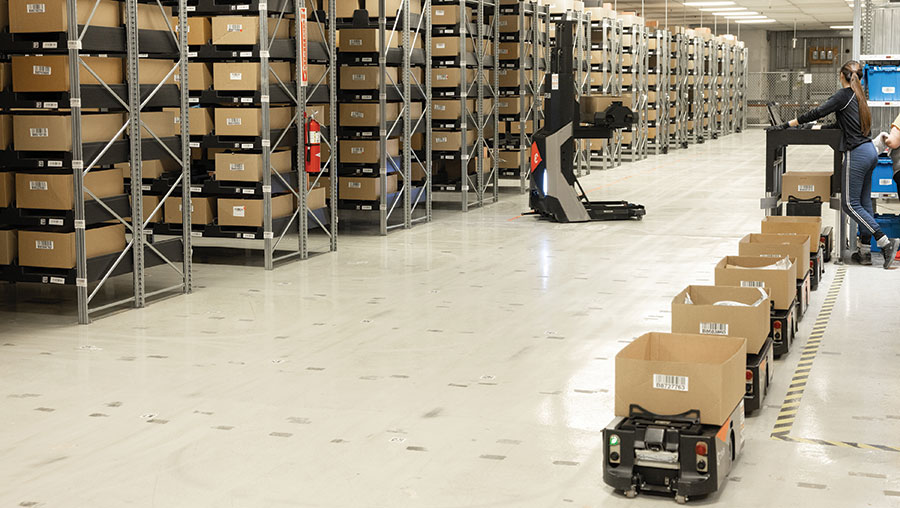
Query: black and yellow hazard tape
pixel 791 404
pixel 788 413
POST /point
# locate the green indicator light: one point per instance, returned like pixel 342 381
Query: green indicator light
pixel 613 440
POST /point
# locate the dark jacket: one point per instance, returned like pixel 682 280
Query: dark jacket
pixel 846 107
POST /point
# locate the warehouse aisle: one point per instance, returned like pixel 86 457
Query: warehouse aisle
pixel 465 363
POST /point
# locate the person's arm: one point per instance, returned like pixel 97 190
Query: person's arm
pixel 833 103
pixel 893 140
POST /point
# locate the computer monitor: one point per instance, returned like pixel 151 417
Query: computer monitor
pixel 774 115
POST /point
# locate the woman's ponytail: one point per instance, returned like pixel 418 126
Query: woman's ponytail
pixel 853 73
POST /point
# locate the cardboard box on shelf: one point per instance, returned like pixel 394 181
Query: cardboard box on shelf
pixel 9 248
pixel 50 73
pixel 592 104
pixel 46 249
pixel 148 204
pixel 445 140
pixel 243 30
pixel 57 192
pixel 670 373
pixel 199 76
pixel 512 105
pixel 315 198
pixel 809 226
pixel 700 310
pixel 248 121
pixel 510 24
pixel 6 131
pixel 365 40
pixel 450 15
pixel 358 114
pixel 345 8
pixel 203 210
pixel 199 30
pixel 449 46
pixel 152 71
pixel 509 159
pixel 28 16
pixel 248 167
pixel 793 246
pixel 512 51
pixel 364 188
pixel 200 121
pixel 807 185
pixel 161 123
pixel 316 75
pixel 365 151
pixel 150 17
pixel 366 78
pixel 249 212
pixel 245 75
pixel 4 15
pixel 452 77
pixel 778 276
pixel 54 132
pixel 321 113
pixel 7 188
pixel 516 127
pixel 150 169
pixel 449 109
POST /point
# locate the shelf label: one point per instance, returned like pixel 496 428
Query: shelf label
pixel 60 280
pixel 197 234
pixel 264 54
pixel 79 224
pixel 56 222
pixel 194 144
pixel 145 187
pixel 196 189
pixel 248 236
pixel 262 98
pixel 245 54
pixel 54 164
pixel 248 191
pixel 80 282
pixel 268 235
pixel 247 146
pixel 267 189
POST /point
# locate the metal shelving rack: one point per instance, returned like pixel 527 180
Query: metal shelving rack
pixel 637 149
pixel 409 28
pixel 606 79
pixel 141 251
pixel 582 81
pixel 722 88
pixel 710 85
pixel 658 91
pixel 740 101
pixel 678 133
pixel 695 88
pixel 529 36
pixel 478 61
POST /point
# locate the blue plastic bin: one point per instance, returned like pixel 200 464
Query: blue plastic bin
pixel 883 177
pixel 890 225
pixel 883 82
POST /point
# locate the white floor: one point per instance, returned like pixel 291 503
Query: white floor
pixel 464 363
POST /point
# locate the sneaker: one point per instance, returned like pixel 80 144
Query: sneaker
pixel 890 251
pixel 862 257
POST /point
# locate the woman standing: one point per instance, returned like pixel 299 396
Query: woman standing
pixel 855 121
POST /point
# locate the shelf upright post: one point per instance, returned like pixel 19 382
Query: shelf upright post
pixel 495 103
pixel 481 51
pixel 300 38
pixel 184 92
pixel 382 124
pixel 77 160
pixel 332 124
pixel 429 165
pixel 265 142
pixel 524 155
pixel 134 141
pixel 464 107
pixel 406 170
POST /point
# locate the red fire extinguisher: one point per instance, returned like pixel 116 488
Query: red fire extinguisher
pixel 313 146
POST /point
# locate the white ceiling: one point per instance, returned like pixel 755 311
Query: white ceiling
pixel 808 14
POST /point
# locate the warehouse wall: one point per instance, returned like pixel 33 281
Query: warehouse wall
pixel 758 49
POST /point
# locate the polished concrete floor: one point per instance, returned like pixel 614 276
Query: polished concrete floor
pixel 465 363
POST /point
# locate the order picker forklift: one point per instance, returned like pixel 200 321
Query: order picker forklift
pixel 555 191
pixel 670 454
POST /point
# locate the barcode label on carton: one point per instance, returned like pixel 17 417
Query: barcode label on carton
pixel 440 45
pixel 39 132
pixel 238 211
pixel 35 8
pixel 356 150
pixel 37 185
pixel 359 77
pixel 443 77
pixel 232 121
pixel 41 70
pixel 236 76
pixel 888 89
pixel 713 328
pixel 43 244
pixel 441 139
pixel 237 27
pixel 885 181
pixel 357 114
pixel 673 383
pixel 440 107
pixel 356 42
pixel 752 284
pixel 806 188
pixel 439 12
pixel 354 185
pixel 236 166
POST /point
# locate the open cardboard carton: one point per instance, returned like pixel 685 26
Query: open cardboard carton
pixel 670 373
pixel 794 246
pixel 777 277
pixel 723 311
pixel 810 226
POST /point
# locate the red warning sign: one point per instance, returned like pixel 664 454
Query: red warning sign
pixel 535 157
pixel 304 50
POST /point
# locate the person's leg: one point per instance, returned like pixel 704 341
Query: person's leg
pixel 858 168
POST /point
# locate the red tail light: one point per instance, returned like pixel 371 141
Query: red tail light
pixel 700 448
pixel 749 375
pixel 810 263
pixel 776 325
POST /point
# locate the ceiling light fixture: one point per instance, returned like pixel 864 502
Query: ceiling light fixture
pixel 748 13
pixel 715 9
pixel 842 27
pixel 758 16
pixel 707 4
pixel 749 21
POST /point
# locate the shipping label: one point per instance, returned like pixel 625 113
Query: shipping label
pixel 885 181
pixel 713 328
pixel 357 114
pixel 237 27
pixel 442 77
pixel 357 150
pixel 806 188
pixel 37 185
pixel 356 42
pixel 232 121
pixel 354 185
pixel 672 383
pixel 440 45
pixel 238 211
pixel 236 166
pixel 41 70
pixel 39 132
pixel 752 284
pixel 43 244
pixel 441 139
pixel 35 8
pixel 359 77
pixel 236 76
pixel 440 107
